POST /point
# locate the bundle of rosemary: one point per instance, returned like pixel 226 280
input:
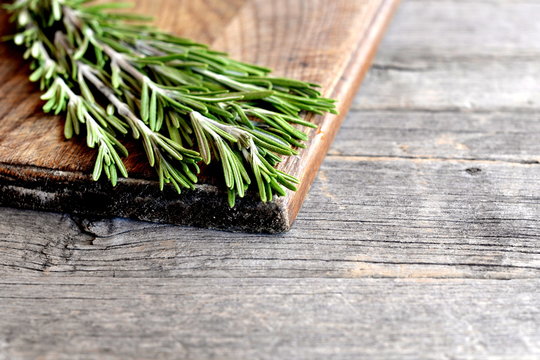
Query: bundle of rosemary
pixel 186 103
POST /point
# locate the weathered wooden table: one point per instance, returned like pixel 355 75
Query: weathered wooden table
pixel 419 240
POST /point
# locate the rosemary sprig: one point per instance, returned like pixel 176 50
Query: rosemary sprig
pixel 186 103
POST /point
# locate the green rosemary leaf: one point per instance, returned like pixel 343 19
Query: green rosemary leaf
pixel 152 111
pixel 148 149
pixel 98 167
pixel 108 6
pixel 231 197
pixel 81 50
pixel 202 141
pixel 145 102
pixel 68 126
pixel 160 115
pixel 277 187
pixel 113 175
pixel 56 10
pixel 162 59
pixel 260 183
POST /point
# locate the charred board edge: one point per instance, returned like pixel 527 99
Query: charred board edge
pixel 75 193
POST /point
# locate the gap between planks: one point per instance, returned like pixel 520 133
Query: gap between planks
pixel 412 158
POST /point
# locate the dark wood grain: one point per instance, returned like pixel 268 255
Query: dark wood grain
pixel 327 42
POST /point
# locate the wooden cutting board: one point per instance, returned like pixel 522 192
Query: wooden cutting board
pixel 330 42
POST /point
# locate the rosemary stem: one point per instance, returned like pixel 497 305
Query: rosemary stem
pixel 121 107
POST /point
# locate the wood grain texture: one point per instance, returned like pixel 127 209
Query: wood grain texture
pixel 326 42
pixel 268 319
pixel 418 240
pixel 482 136
pixel 385 217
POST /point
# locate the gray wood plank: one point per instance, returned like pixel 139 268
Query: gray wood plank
pixel 80 318
pixel 455 91
pixel 463 29
pixel 479 136
pixel 490 85
pixel 473 55
pixel 366 217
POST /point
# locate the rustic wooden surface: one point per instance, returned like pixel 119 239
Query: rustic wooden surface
pixel 419 239
pixel 327 42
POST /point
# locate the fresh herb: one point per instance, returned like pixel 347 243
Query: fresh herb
pixel 187 104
